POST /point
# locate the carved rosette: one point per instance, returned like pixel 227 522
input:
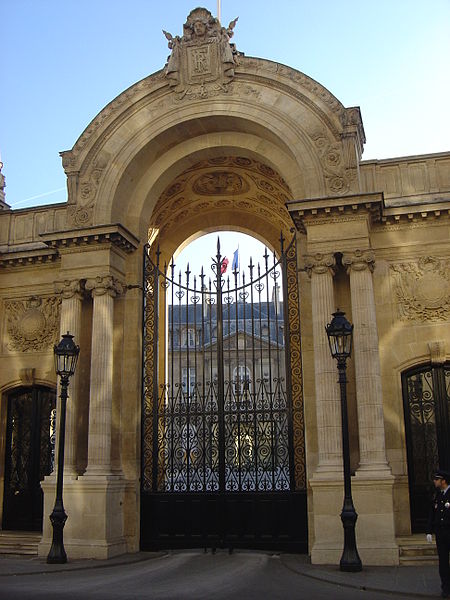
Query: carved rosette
pixel 235 182
pixel 105 284
pixel 85 188
pixel 422 289
pixel 340 176
pixel 359 260
pixel 319 263
pixel 32 324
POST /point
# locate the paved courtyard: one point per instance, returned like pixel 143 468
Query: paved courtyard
pixel 193 575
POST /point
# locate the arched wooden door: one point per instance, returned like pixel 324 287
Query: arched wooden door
pixel 29 456
pixel 426 401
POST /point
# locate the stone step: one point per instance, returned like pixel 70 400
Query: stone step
pixel 414 550
pixel 19 542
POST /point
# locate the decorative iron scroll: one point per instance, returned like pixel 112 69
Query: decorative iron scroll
pixel 227 413
pixel 427 414
pixel 295 365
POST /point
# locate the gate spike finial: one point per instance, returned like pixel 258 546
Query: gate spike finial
pixel 251 266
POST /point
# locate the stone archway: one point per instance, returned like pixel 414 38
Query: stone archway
pixel 225 191
pixel 254 135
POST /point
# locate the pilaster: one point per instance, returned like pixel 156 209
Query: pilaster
pixel 71 293
pixel 320 269
pixel 372 444
pixel 104 289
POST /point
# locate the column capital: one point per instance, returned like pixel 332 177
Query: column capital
pixel 359 260
pixel 320 263
pixel 105 284
pixel 69 288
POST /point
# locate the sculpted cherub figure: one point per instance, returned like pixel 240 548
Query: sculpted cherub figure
pixel 173 62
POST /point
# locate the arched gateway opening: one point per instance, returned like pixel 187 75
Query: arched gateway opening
pixel 179 154
pixel 223 454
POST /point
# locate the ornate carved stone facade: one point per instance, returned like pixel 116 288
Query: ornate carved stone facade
pixel 422 289
pixel 216 140
pixel 32 324
pixel 224 182
pixel 202 61
pixel 104 284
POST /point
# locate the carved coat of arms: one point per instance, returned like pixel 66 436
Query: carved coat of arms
pixel 32 324
pixel 202 61
pixel 423 289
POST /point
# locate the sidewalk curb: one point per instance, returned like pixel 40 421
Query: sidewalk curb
pixel 67 567
pixel 355 586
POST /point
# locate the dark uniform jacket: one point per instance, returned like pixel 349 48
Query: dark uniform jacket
pixel 439 517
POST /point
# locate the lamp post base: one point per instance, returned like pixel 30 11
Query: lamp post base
pixel 350 560
pixel 57 554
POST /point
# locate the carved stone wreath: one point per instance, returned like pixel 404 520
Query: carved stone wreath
pixel 423 289
pixel 32 324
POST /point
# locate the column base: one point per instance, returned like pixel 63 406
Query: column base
pixel 374 471
pixel 375 533
pixel 374 502
pixel 94 507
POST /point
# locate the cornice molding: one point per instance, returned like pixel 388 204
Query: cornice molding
pixel 335 208
pixel 116 235
pixel 339 209
pixel 25 258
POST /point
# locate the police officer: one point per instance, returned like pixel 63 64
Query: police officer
pixel 439 524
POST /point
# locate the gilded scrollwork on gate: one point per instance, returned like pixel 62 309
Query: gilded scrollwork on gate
pixel 148 375
pixel 296 382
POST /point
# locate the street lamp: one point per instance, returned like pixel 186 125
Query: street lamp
pixel 66 356
pixel 340 337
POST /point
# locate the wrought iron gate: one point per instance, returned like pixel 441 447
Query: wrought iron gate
pixel 223 455
pixel 426 401
pixel 28 457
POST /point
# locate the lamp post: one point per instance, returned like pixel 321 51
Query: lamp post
pixel 66 356
pixel 340 337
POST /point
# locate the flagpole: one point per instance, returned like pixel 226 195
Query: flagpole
pixel 239 266
pixel 218 9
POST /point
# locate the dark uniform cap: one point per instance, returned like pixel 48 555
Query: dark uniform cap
pixel 441 474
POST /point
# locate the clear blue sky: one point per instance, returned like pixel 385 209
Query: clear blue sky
pixel 64 60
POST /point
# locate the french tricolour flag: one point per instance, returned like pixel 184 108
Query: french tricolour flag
pixel 235 263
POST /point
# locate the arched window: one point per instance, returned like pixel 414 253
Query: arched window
pixel 241 380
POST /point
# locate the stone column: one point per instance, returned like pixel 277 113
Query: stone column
pixel 70 321
pixel 328 410
pixel 103 289
pixel 367 363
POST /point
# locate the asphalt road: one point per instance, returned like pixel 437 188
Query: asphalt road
pixel 181 576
